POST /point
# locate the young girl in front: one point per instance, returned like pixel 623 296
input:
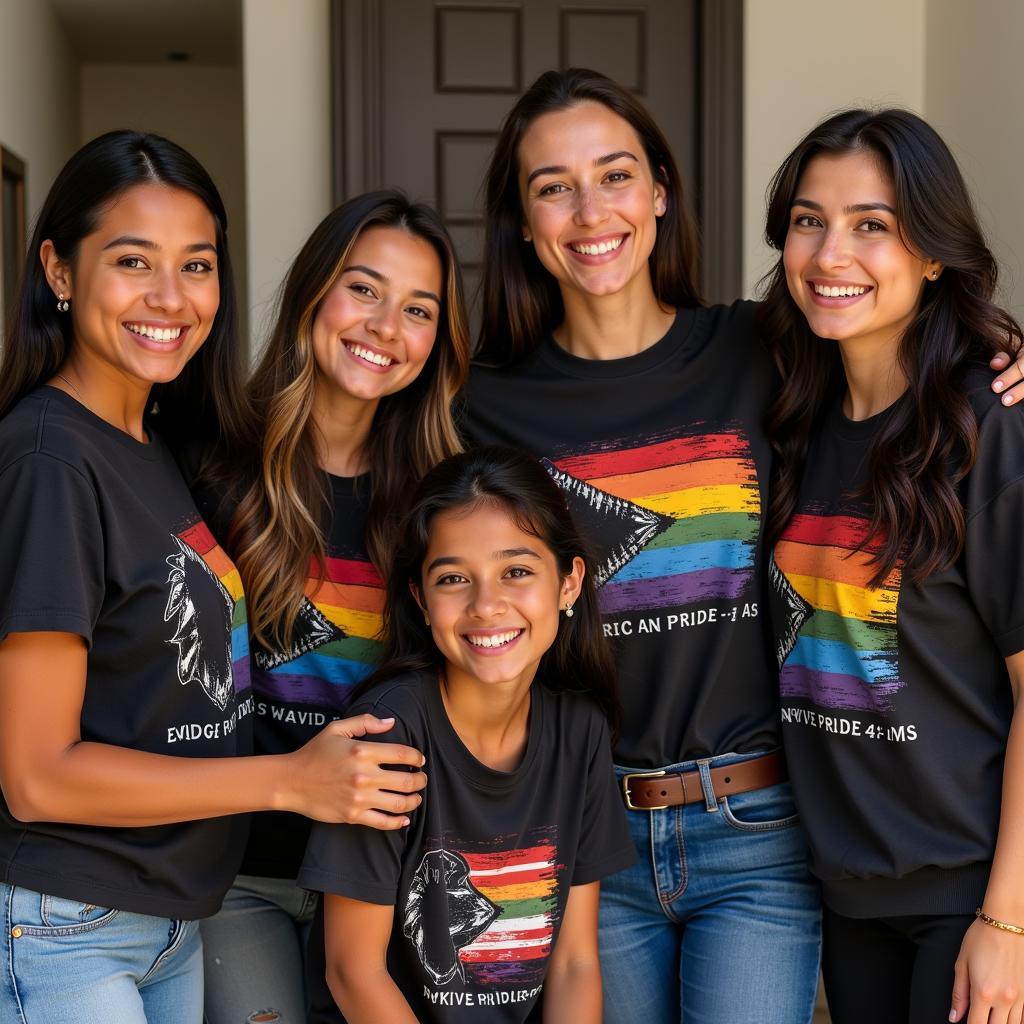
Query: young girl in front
pixel 897 514
pixel 496 669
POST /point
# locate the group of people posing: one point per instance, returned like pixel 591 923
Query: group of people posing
pixel 449 682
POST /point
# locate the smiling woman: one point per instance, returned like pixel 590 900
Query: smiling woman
pixel 124 648
pixel 897 551
pixel 352 400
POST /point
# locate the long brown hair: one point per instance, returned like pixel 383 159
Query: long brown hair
pixel 929 443
pixel 521 300
pixel 281 519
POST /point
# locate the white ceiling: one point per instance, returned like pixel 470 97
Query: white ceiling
pixel 141 31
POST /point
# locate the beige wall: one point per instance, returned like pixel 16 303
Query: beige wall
pixel 286 61
pixel 198 106
pixel 38 103
pixel 805 59
pixel 974 94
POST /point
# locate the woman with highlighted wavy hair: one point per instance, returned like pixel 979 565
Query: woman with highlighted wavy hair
pixel 352 399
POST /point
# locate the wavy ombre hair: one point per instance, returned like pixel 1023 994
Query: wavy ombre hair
pixel 280 522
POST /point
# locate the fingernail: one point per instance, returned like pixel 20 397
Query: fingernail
pixel 952 1015
pixel 1007 399
pixel 998 386
pixel 387 719
pixel 405 822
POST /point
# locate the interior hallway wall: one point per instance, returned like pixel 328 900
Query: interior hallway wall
pixel 199 107
pixel 38 101
pixel 974 92
pixel 804 59
pixel 286 70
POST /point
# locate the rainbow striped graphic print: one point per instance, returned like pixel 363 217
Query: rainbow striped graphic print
pixel 676 519
pixel 336 639
pixel 845 653
pixel 201 541
pixel 523 885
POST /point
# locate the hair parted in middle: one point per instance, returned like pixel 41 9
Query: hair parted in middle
pixel 521 301
pixel 579 660
pixel 279 523
pixel 929 444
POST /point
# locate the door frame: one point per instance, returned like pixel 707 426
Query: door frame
pixel 357 143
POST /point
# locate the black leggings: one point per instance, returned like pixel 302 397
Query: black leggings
pixel 891 970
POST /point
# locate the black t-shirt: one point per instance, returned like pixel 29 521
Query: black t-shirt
pixel 480 878
pixel 102 539
pixel 664 462
pixel 896 702
pixel 334 646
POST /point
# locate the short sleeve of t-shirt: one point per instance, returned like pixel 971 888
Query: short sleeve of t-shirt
pixel 994 545
pixel 605 845
pixel 52 558
pixel 357 861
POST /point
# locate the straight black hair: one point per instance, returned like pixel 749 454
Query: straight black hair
pixel 579 660
pixel 521 301
pixel 929 444
pixel 205 401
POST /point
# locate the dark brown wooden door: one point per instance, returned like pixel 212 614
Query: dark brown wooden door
pixel 422 86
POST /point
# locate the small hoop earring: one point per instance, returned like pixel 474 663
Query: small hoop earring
pixel 569 613
pixel 62 304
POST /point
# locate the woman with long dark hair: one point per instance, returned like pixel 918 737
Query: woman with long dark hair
pixel 495 665
pixel 598 355
pixel 896 518
pixel 124 668
pixel 352 404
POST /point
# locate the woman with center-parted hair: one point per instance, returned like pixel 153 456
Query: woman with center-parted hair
pixel 352 403
pixel 899 624
pixel 598 355
pixel 124 672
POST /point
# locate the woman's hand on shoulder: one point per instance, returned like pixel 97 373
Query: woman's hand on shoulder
pixel 988 981
pixel 338 776
pixel 1010 382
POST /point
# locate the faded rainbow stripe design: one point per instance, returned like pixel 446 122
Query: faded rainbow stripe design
pixel 337 645
pixel 699 495
pixel 202 542
pixel 845 654
pixel 523 884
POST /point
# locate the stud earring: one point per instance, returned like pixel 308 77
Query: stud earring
pixel 934 275
pixel 426 620
pixel 62 304
pixel 568 611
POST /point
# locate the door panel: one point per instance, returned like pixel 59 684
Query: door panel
pixel 421 87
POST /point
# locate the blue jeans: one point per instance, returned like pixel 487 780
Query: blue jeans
pixel 719 922
pixel 254 950
pixel 67 962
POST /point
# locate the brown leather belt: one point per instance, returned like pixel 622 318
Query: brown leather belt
pixel 654 791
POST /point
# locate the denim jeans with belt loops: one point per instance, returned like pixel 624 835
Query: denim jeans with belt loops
pixel 69 962
pixel 719 921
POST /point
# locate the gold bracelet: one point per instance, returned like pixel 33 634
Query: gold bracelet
pixel 1001 925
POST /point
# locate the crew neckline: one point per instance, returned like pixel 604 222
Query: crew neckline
pixel 459 755
pixel 150 451
pixel 865 429
pixel 684 330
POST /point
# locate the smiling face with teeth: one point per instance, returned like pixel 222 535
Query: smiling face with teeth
pixel 847 267
pixel 493 594
pixel 144 291
pixel 590 202
pixel 376 326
